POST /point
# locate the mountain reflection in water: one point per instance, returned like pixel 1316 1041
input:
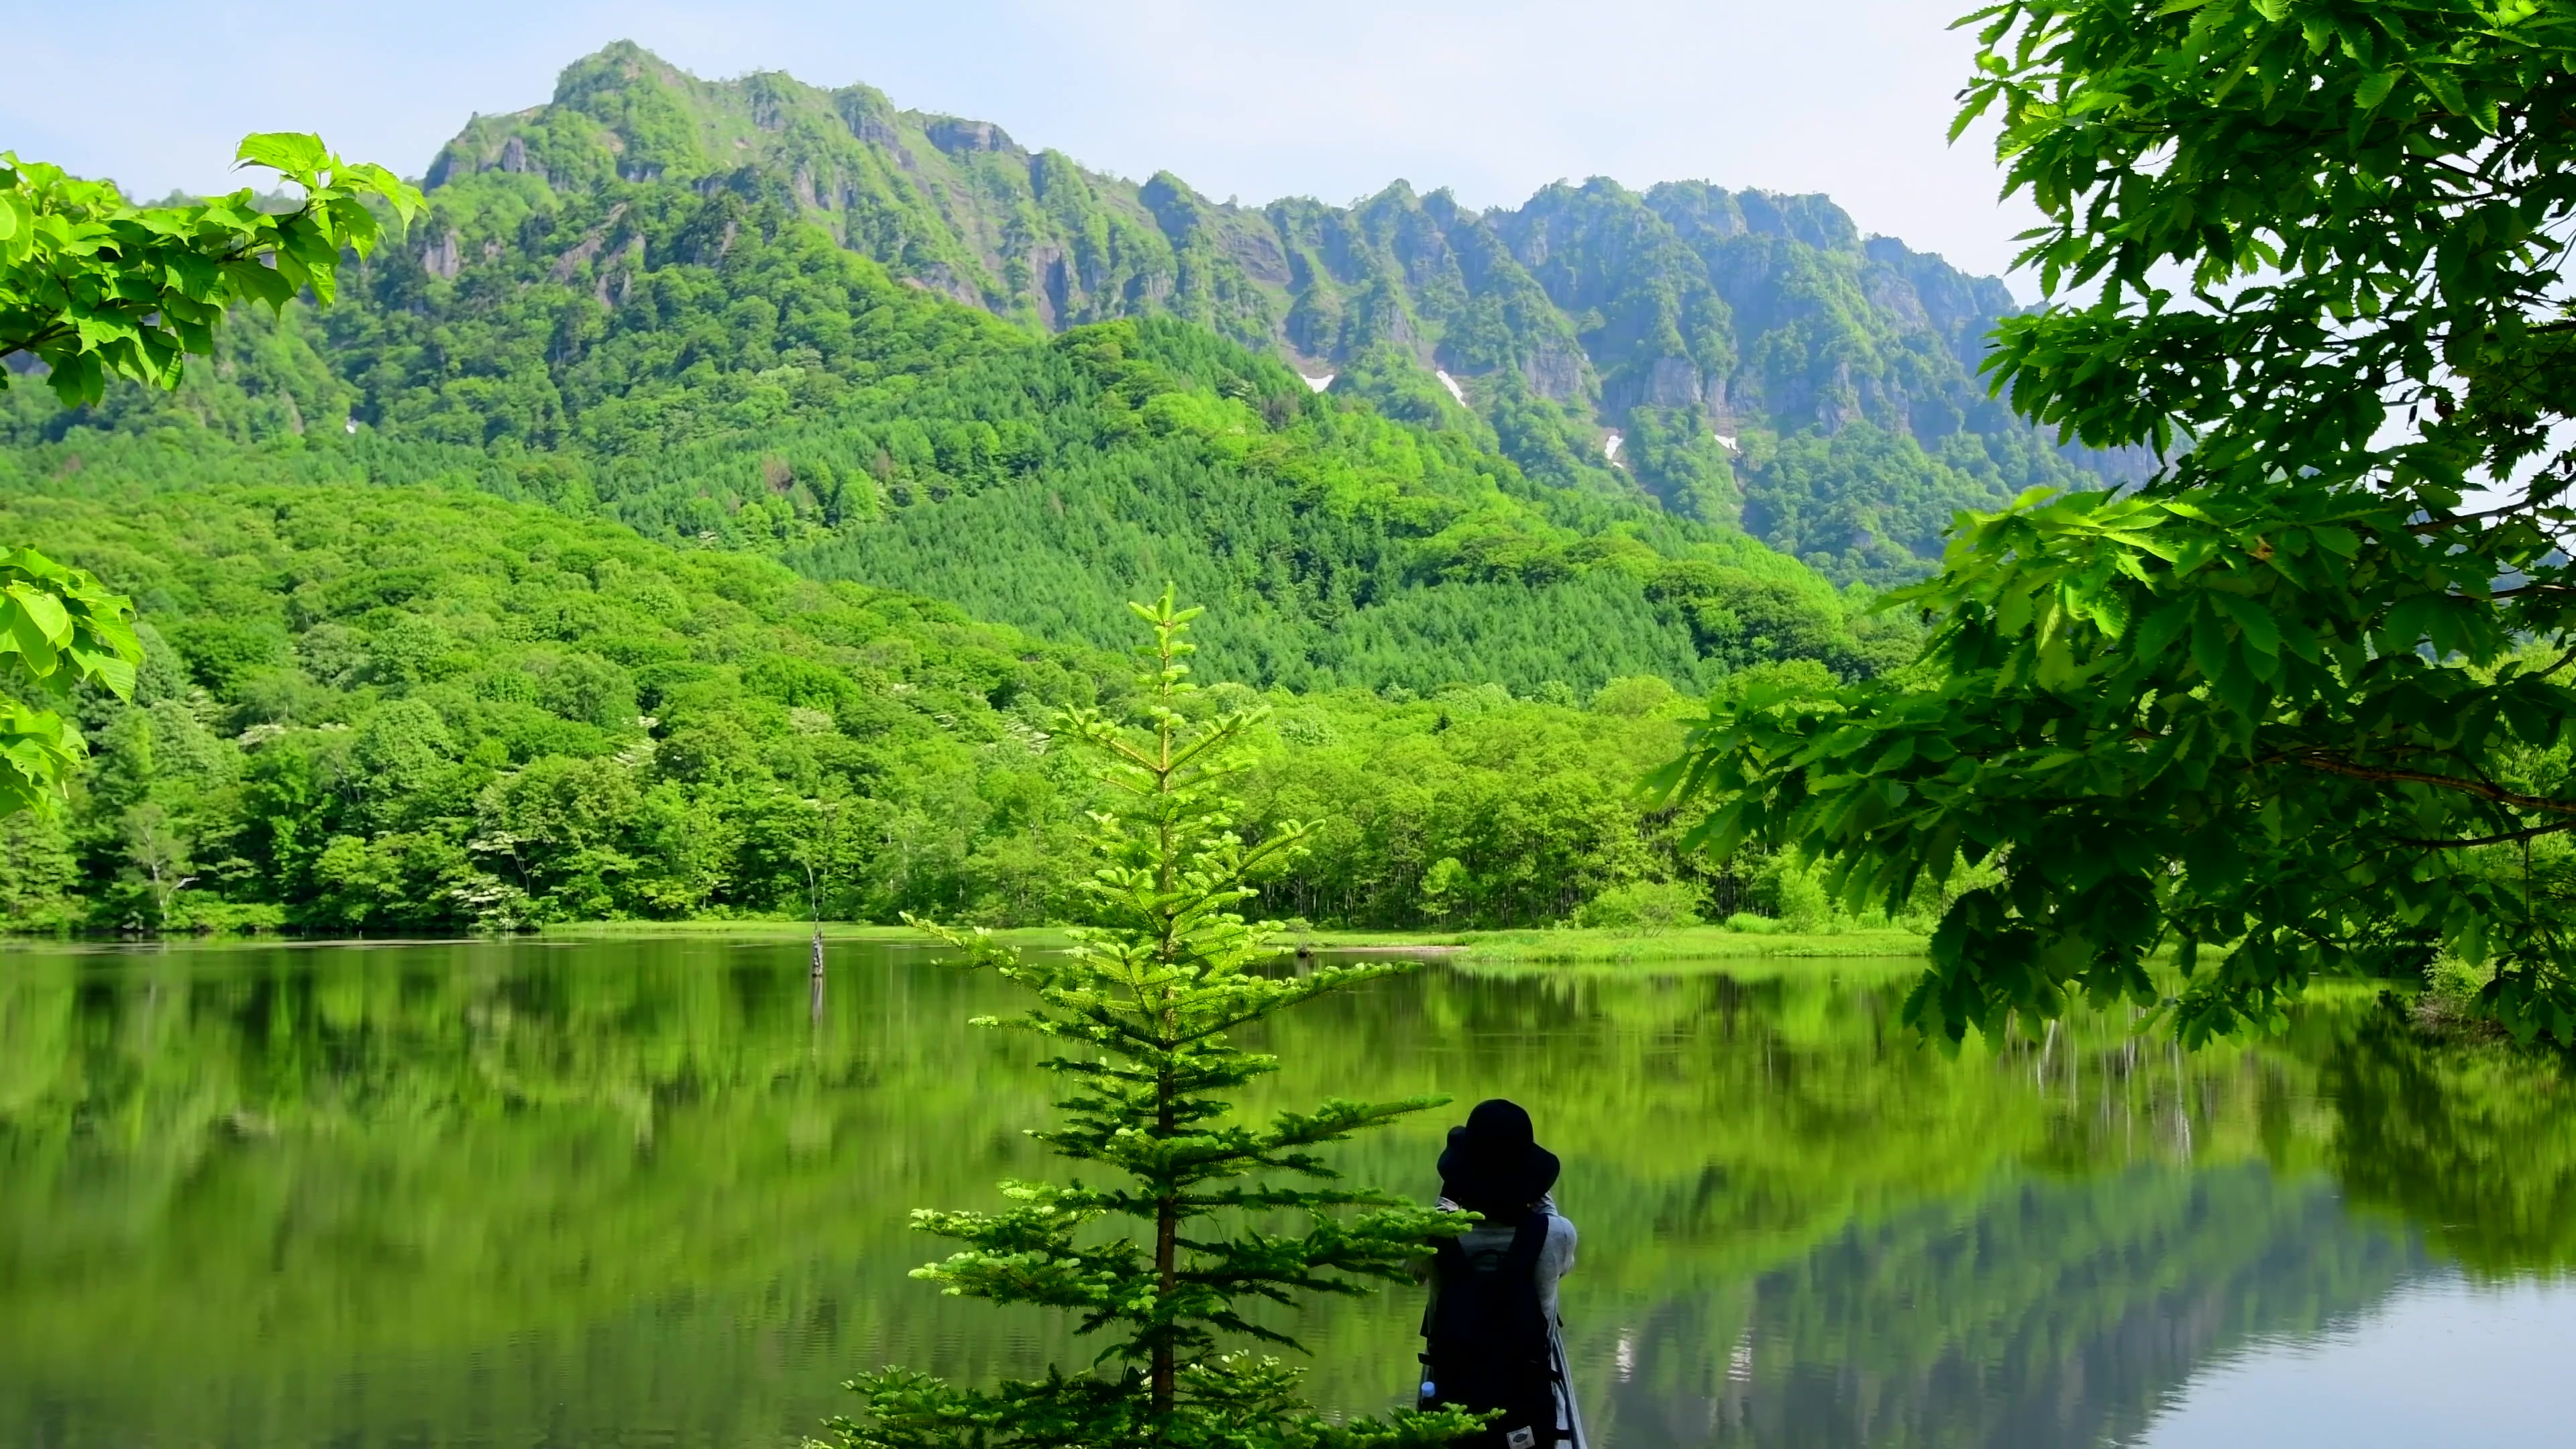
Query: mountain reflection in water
pixel 632 1192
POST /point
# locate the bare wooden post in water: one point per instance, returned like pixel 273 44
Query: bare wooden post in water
pixel 816 856
pixel 814 973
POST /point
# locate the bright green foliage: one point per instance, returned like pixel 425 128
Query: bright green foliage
pixel 1145 1001
pixel 58 629
pixel 423 709
pixel 94 288
pixel 2297 706
pixel 1867 502
pixel 369 710
pixel 1519 812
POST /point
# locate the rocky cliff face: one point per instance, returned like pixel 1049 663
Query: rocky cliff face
pixel 1697 325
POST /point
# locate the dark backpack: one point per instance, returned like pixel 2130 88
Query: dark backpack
pixel 1487 1345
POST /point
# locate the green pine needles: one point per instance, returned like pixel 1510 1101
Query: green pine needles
pixel 1144 1002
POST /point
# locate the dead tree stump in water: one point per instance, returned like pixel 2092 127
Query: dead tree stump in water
pixel 814 973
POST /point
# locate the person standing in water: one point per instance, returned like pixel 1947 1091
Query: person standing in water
pixel 1493 1342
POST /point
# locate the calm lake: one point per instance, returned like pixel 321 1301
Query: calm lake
pixel 628 1193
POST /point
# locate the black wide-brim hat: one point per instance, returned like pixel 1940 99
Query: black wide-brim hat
pixel 1495 1160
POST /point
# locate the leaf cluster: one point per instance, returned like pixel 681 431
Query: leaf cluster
pixel 94 288
pixel 59 628
pixel 2299 218
pixel 2294 705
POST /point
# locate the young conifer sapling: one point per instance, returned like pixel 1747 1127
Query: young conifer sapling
pixel 1142 1006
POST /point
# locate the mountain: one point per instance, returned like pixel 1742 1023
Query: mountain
pixel 705 362
pixel 696 462
pixel 1738 356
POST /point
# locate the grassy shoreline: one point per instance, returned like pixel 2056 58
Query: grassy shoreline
pixel 1039 937
pixel 2444 1010
pixel 1550 946
pixel 1697 943
pixel 1561 944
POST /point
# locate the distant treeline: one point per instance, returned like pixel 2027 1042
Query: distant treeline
pixel 392 710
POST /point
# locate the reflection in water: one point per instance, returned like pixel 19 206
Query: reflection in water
pixel 2045 1312
pixel 606 1194
pixel 2495 1352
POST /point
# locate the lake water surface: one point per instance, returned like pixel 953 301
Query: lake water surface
pixel 629 1193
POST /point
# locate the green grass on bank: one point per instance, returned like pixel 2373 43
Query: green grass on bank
pixel 1563 945
pixel 1041 937
pixel 1694 943
pixel 1568 945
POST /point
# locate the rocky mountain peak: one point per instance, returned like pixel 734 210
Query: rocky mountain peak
pixel 1693 320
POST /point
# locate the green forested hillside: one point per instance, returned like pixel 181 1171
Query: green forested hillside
pixel 574 562
pixel 705 364
pixel 374 709
pixel 1721 340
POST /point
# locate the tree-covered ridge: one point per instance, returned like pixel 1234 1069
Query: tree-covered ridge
pixel 1685 321
pixel 368 708
pixel 708 365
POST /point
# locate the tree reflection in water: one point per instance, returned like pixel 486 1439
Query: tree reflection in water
pixel 600 1193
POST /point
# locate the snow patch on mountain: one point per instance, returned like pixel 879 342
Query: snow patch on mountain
pixel 1610 448
pixel 1451 383
pixel 1318 384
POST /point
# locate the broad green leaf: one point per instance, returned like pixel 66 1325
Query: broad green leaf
pixel 35 618
pixel 2257 624
pixel 289 152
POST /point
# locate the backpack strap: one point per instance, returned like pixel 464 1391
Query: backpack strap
pixel 1521 1264
pixel 1528 1241
pixel 1447 1259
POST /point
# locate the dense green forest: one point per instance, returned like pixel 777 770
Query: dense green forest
pixel 1726 340
pixel 372 709
pixel 372 703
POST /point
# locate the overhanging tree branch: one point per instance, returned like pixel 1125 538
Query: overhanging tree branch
pixel 2507 837
pixel 2333 765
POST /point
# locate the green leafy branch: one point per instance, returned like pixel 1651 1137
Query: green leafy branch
pixel 2288 699
pixel 2270 722
pixel 95 288
pixel 59 627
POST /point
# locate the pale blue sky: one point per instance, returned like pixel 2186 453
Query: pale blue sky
pixel 1332 98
